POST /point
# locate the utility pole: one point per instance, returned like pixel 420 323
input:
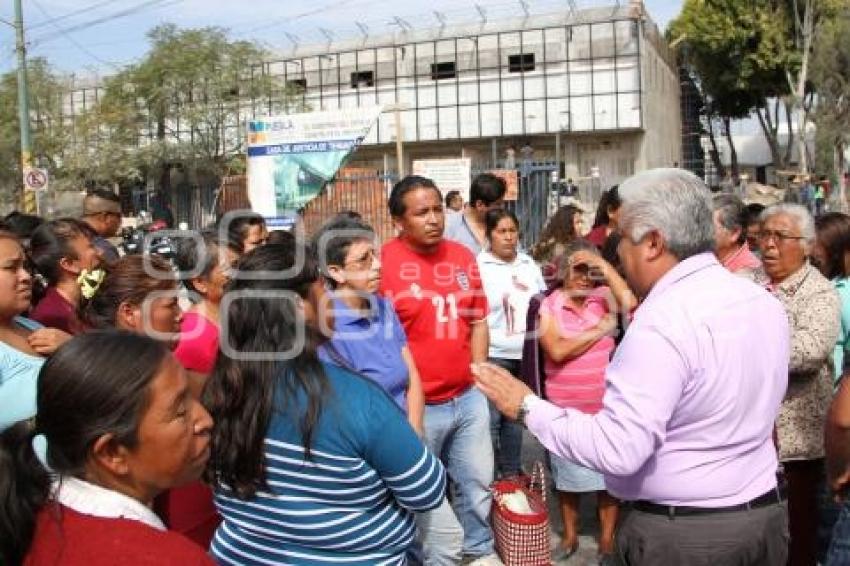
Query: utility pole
pixel 30 198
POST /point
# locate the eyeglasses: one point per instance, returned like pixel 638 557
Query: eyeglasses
pixel 364 261
pixel 776 236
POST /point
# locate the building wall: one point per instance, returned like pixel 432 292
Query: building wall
pixel 571 78
pixel 661 143
pixel 597 84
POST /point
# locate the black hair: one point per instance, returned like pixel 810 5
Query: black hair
pixel 333 240
pixel 451 195
pixel 609 251
pixel 350 214
pixel 609 199
pixel 104 194
pixel 406 185
pixel 75 407
pixel 242 394
pixel 486 188
pixel 281 237
pixel 754 211
pixel 191 258
pixel 127 280
pixel 49 244
pixel 833 234
pixel 22 225
pixel 239 226
pixel 494 216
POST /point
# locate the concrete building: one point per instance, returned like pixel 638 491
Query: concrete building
pixel 595 90
pixel 590 94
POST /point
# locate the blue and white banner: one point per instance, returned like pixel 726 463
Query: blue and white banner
pixel 290 158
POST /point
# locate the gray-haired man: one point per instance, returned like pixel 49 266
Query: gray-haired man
pixel 685 432
pixel 730 232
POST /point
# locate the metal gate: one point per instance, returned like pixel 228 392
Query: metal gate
pixel 533 202
pixel 365 191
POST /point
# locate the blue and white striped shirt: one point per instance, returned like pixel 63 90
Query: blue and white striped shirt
pixel 351 503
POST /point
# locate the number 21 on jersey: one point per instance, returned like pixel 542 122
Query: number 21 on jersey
pixel 445 307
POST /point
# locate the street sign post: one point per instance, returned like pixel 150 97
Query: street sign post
pixel 36 180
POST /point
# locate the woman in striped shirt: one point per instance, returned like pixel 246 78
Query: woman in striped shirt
pixel 576 324
pixel 311 463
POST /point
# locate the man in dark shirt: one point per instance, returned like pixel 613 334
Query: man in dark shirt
pixel 102 212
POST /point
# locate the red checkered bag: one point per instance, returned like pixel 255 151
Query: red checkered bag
pixel 522 539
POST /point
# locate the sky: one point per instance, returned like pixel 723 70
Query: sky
pixel 88 37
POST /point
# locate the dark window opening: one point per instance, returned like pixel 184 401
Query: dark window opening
pixel 521 63
pixel 362 78
pixel 443 71
pixel 299 85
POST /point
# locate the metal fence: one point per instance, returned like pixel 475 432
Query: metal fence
pixel 360 190
pixel 533 204
pixel 366 192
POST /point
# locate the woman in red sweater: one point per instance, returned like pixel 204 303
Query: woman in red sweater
pixel 121 426
pixel 61 251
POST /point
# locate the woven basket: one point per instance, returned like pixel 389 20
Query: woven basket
pixel 522 540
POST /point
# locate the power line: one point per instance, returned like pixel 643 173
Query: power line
pixel 114 16
pixel 73 41
pixel 55 47
pixel 455 16
pixel 308 13
pixel 82 10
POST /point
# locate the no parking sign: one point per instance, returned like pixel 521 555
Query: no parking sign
pixel 35 179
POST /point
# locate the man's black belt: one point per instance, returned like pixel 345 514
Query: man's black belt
pixel 773 496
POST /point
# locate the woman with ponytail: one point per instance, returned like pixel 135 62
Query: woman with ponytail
pixel 112 446
pixel 138 294
pixel 63 256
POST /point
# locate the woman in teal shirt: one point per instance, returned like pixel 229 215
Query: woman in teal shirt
pixel 23 342
pixel 831 254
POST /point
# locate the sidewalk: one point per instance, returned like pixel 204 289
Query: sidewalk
pixel 532 451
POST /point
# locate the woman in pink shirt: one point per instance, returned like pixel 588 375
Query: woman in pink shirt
pixel 576 324
pixel 204 263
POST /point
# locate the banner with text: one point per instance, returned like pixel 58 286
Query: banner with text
pixel 447 174
pixel 290 158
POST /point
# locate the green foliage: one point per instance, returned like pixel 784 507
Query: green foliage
pixel 830 75
pixel 185 102
pixel 182 106
pixel 50 133
pixel 739 49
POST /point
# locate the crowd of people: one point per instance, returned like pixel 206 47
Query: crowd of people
pixel 265 397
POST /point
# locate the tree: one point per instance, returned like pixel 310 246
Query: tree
pixel 760 49
pixel 830 74
pixel 807 20
pixel 49 125
pixel 737 51
pixel 184 104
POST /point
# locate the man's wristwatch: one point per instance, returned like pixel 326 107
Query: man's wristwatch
pixel 524 407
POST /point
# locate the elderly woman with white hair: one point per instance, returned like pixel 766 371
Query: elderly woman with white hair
pixel 685 429
pixel 813 309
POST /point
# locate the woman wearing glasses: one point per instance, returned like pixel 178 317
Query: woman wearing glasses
pixel 811 302
pixel 577 324
pixel 368 337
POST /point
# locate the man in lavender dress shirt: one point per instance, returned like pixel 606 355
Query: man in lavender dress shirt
pixel 685 434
